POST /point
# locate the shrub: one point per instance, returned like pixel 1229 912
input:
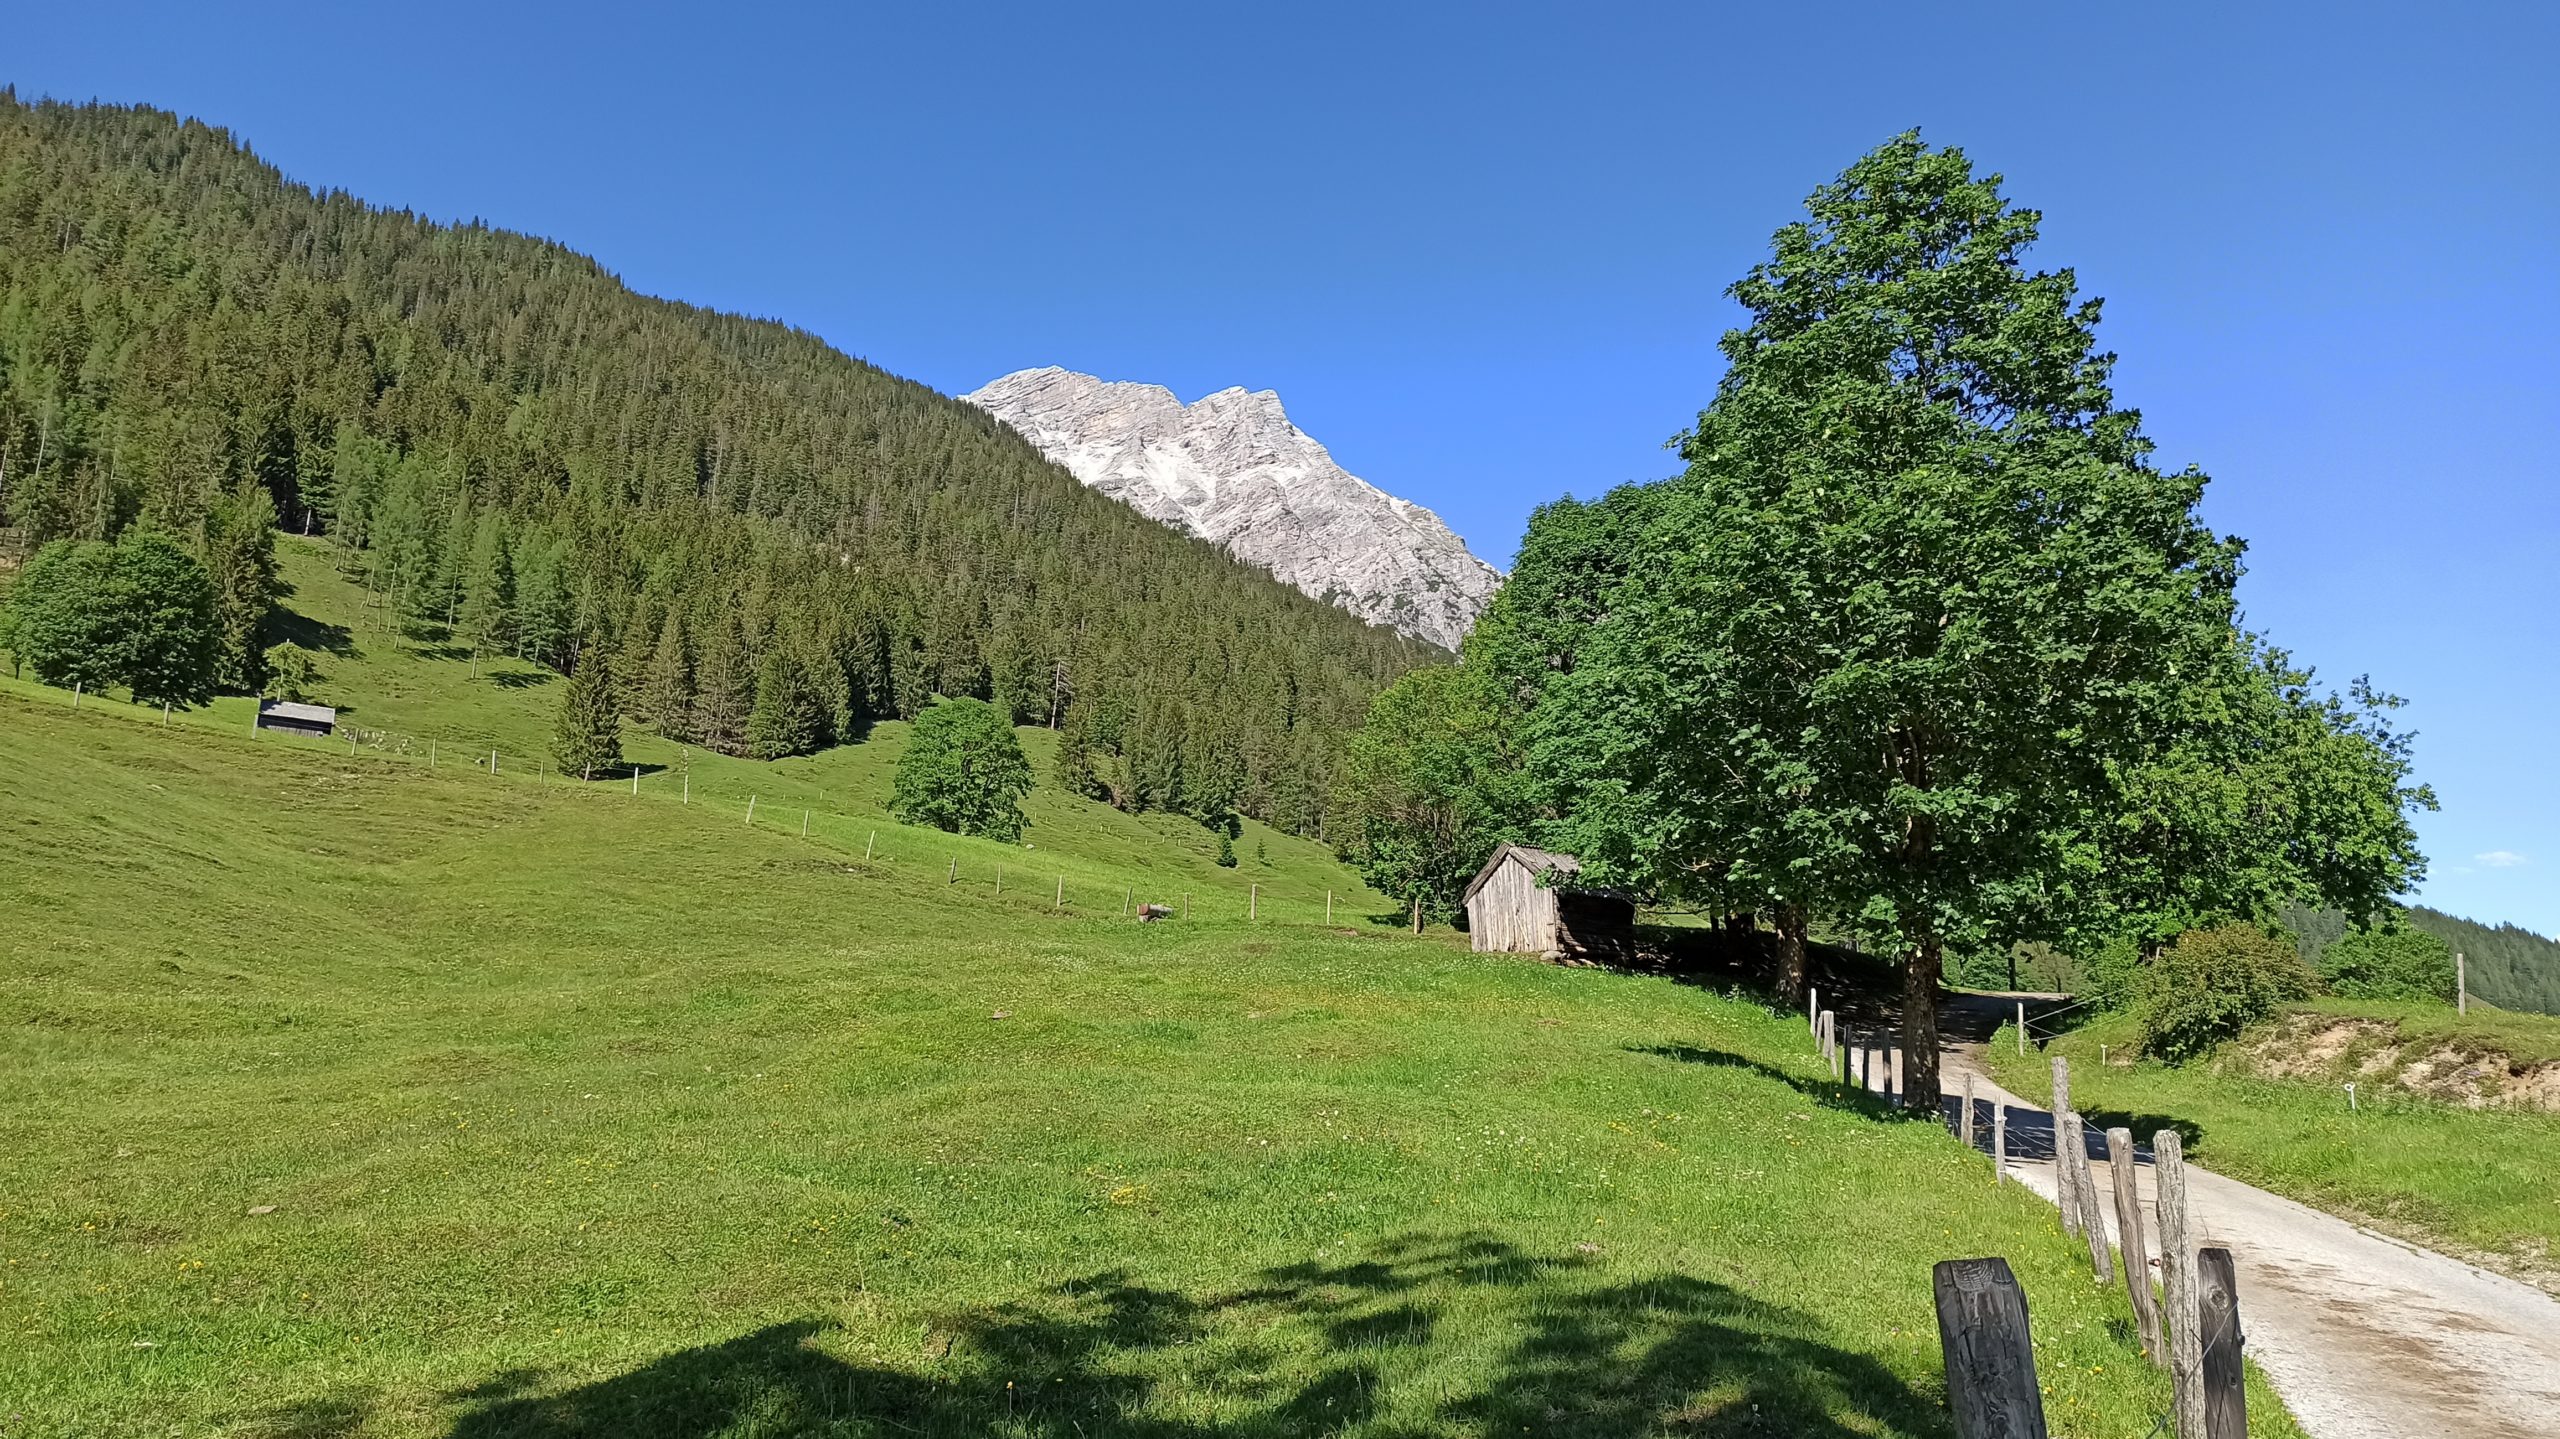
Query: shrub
pixel 2211 985
pixel 2394 961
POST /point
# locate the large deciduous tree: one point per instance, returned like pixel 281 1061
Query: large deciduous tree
pixel 963 771
pixel 1919 593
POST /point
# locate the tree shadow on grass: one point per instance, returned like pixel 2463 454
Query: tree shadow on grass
pixel 1830 1094
pixel 311 634
pixel 1309 1348
pixel 518 679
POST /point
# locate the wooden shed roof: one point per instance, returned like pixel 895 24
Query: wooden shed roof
pixel 1540 862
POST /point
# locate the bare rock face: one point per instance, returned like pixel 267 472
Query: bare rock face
pixel 1231 469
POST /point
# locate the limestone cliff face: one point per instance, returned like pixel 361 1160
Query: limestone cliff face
pixel 1231 469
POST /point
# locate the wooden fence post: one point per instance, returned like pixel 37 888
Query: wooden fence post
pixel 868 841
pixel 954 876
pixel 1990 1356
pixel 2461 984
pixel 1060 903
pixel 1971 1135
pixel 1999 1144
pixel 1417 914
pixel 2022 1026
pixel 2178 1268
pixel 751 810
pixel 2062 1194
pixel 1253 901
pixel 1328 906
pixel 2084 1185
pixel 1813 1007
pixel 804 833
pixel 2226 1400
pixel 2122 1168
pixel 635 789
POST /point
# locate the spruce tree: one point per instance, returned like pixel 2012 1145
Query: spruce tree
pixel 666 692
pixel 723 691
pixel 784 720
pixel 587 739
pixel 239 550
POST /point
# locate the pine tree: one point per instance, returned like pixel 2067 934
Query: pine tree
pixel 453 560
pixel 587 740
pixel 666 695
pixel 784 720
pixel 489 589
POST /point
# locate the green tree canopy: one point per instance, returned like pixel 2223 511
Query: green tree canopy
pixel 1430 786
pixel 963 771
pixel 139 613
pixel 1919 592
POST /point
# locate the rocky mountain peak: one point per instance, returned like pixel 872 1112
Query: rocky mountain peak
pixel 1231 468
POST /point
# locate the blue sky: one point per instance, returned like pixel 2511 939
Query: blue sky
pixel 1479 250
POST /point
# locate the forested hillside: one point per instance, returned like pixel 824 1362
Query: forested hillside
pixel 777 542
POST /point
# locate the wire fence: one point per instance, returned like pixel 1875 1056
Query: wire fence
pixel 825 817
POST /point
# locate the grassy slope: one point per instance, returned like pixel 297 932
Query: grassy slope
pixel 418 702
pixel 586 1117
pixel 2480 1182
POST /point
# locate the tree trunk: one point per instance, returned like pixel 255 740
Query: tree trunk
pixel 1920 970
pixel 1790 956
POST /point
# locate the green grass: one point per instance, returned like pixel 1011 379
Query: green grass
pixel 415 701
pixel 581 1117
pixel 2479 1182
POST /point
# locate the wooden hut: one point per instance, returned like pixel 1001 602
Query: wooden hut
pixel 295 718
pixel 1526 901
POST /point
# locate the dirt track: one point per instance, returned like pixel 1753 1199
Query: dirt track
pixel 2365 1336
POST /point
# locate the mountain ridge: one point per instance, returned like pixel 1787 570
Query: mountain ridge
pixel 1232 468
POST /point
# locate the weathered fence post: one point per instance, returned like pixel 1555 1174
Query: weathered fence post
pixel 2062 1194
pixel 804 833
pixel 954 876
pixel 1417 914
pixel 2093 1223
pixel 1999 1144
pixel 1328 906
pixel 1990 1356
pixel 868 841
pixel 2226 1400
pixel 2178 1269
pixel 2461 984
pixel 1972 1135
pixel 1813 1007
pixel 751 810
pixel 2022 1026
pixel 635 789
pixel 1253 901
pixel 1059 904
pixel 2123 1165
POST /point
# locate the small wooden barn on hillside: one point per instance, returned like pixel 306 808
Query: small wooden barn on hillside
pixel 1525 901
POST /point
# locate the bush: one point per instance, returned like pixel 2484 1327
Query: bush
pixel 2397 961
pixel 963 771
pixel 2211 985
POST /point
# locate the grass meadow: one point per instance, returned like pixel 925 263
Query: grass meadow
pixel 347 1096
pixel 352 1098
